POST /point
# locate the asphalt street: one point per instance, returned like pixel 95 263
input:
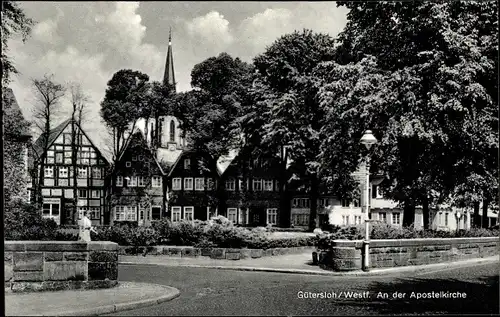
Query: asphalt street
pixel 222 292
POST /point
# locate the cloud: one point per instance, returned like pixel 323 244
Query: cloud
pixel 257 32
pixel 210 29
pixel 263 28
pixel 46 31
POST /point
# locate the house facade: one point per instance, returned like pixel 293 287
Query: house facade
pixel 57 187
pixel 192 188
pixel 137 192
pixel 251 191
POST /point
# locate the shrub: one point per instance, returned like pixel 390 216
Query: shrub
pixel 119 234
pixel 23 221
pixel 278 229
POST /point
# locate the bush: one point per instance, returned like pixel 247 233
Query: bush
pixel 23 221
pixel 386 231
pixel 278 229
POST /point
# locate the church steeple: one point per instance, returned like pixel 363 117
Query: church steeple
pixel 169 75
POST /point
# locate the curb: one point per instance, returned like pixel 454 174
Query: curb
pixel 374 272
pixel 107 309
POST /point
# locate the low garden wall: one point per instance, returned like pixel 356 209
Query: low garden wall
pixel 60 265
pixel 346 255
pixel 213 253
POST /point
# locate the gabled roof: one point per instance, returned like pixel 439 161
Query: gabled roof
pixel 11 109
pixel 184 152
pixel 140 134
pixel 38 147
pixel 168 157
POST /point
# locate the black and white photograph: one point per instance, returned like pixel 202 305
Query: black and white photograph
pixel 246 158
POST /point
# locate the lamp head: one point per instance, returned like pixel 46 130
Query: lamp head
pixel 368 139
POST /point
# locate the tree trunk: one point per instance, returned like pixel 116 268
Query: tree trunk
pixel 476 217
pixel 485 220
pixel 283 194
pixel 313 196
pixel 74 167
pixel 408 213
pixel 425 212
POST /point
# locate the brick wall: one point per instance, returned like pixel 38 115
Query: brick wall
pixel 54 265
pixel 347 255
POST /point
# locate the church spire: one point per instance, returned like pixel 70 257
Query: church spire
pixel 169 75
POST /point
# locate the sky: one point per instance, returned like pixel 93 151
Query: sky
pixel 87 42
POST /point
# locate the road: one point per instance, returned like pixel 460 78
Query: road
pixel 213 292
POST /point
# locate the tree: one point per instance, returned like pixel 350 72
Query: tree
pixel 14 21
pixel 286 68
pixel 435 110
pixel 16 139
pixel 79 102
pixel 48 95
pixel 123 105
pixel 208 113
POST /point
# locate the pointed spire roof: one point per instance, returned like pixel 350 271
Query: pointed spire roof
pixel 169 75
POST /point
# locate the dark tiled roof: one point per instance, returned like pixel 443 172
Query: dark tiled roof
pixel 54 133
pixel 11 109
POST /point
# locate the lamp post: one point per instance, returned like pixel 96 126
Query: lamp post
pixel 367 140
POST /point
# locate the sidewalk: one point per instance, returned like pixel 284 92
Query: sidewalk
pixel 291 263
pixel 125 296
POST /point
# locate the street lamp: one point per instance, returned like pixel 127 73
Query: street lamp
pixel 367 140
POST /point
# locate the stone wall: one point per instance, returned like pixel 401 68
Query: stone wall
pixel 214 253
pixel 347 255
pixel 58 265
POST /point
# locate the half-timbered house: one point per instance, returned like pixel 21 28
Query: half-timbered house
pixel 57 187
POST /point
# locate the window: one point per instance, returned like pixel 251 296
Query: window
pixel 357 203
pixel 82 193
pixel 268 185
pixel 172 131
pixel 156 181
pixel 119 181
pixel 141 158
pixel 230 184
pixel 440 218
pixel 95 213
pixel 188 183
pixel 50 210
pixel 134 158
pixel 446 219
pixel 156 212
pixel 82 172
pixel 374 191
pixel 345 202
pixel 49 171
pixel 345 220
pixel 96 172
pixel 257 185
pixel 119 212
pixel 63 171
pixel 272 216
pixel 241 185
pixel 176 184
pixel 59 157
pixel 128 164
pixel 67 138
pixel 382 216
pixel 141 212
pixel 96 193
pixel 189 213
pixel 133 181
pixel 131 213
pixel 210 184
pixel 232 214
pixel 396 218
pixel 357 220
pixel 187 164
pixel 142 181
pixel 199 184
pixel 81 210
pixel 176 214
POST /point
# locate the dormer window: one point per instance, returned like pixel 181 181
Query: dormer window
pixel 187 164
pixel 128 164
